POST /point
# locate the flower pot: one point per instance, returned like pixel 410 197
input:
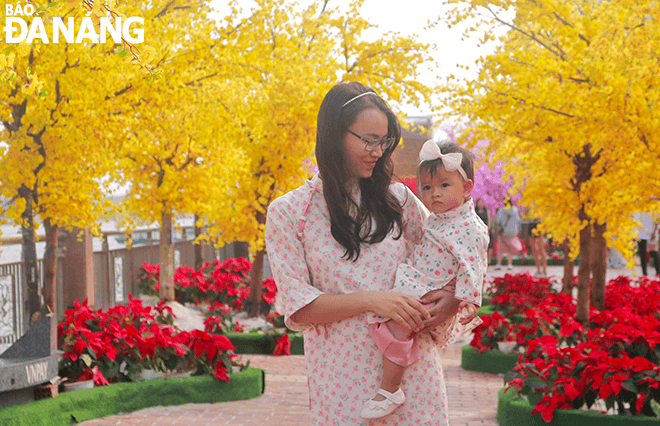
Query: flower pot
pixel 149 374
pixel 85 384
pixel 507 347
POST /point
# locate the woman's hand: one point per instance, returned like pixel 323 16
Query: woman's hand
pixel 470 310
pixel 401 308
pixel 446 305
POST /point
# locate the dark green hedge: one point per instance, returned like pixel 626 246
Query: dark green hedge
pixel 512 410
pixel 74 407
pixel 488 361
pixel 256 343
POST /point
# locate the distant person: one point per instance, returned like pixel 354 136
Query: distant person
pixel 647 239
pixel 507 222
pixel 537 244
pixel 485 215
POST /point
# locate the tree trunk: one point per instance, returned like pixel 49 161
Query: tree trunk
pixel 567 287
pixel 584 161
pixel 584 275
pixel 30 255
pixel 599 267
pixel 242 249
pixel 256 284
pixel 50 266
pixel 257 275
pixel 199 247
pixel 166 257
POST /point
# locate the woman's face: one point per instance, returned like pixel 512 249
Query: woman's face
pixel 371 124
pixel 481 204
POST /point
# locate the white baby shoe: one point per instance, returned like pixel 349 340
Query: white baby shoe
pixel 377 409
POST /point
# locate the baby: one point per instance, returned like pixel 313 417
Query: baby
pixel 454 246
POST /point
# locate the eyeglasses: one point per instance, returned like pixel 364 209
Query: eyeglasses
pixel 371 145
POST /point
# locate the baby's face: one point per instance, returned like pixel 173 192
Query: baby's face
pixel 444 191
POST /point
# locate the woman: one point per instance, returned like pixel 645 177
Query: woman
pixel 334 245
pixel 484 214
pixel 507 221
pixel 537 244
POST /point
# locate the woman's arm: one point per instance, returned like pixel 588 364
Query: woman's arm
pixel 401 308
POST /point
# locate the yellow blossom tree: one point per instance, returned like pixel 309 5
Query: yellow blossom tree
pixel 571 97
pixel 177 155
pixel 54 129
pixel 286 58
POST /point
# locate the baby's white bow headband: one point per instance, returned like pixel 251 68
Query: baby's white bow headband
pixel 452 160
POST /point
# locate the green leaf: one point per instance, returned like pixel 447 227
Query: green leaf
pixel 656 407
pixel 534 398
pixel 123 53
pixel 590 397
pixel 641 349
pixel 630 385
pixel 609 403
pixel 535 383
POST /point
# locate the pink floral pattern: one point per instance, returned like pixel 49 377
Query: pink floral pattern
pixel 454 245
pixel 343 364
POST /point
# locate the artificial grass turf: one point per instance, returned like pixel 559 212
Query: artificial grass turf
pixel 488 361
pixel 512 410
pixel 73 407
pixel 256 343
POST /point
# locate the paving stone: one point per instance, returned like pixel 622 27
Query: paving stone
pixel 472 399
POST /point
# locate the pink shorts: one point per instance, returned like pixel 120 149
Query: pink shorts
pixel 400 352
pixel 406 352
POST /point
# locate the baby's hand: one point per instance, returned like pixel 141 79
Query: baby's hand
pixel 471 311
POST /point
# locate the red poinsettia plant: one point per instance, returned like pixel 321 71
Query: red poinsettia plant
pixel 495 328
pixel 616 360
pixel 219 320
pixel 225 283
pixel 117 344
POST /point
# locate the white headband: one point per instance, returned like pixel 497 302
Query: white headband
pixel 452 160
pixel 359 96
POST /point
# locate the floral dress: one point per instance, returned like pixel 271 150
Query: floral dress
pixel 454 245
pixel 344 367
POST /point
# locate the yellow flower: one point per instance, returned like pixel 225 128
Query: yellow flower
pixel 23 49
pixel 148 53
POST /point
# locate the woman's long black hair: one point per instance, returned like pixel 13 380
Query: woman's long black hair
pixel 379 211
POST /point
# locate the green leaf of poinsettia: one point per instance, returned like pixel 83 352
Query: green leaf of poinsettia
pixel 630 385
pixel 535 383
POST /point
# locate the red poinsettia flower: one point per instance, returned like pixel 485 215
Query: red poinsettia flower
pixel 283 346
pixel 99 380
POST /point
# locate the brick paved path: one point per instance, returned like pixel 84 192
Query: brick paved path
pixel 472 399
